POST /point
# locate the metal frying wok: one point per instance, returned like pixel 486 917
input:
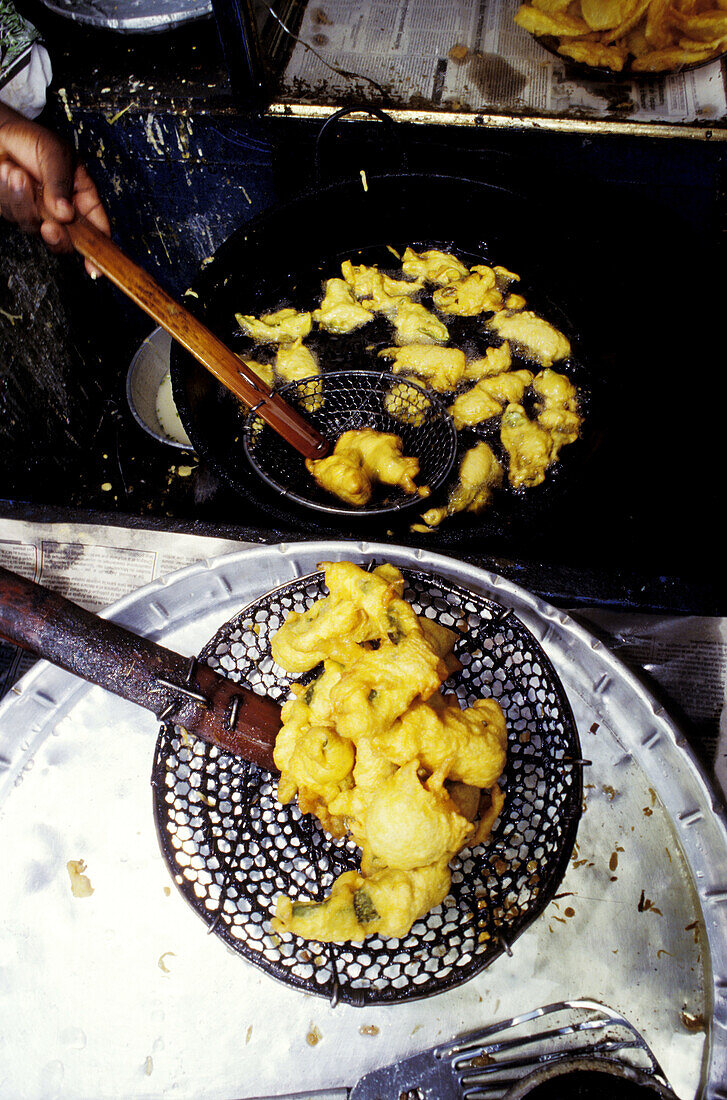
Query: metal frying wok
pixel 282 258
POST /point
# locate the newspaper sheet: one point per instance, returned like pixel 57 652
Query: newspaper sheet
pixel 469 54
pixel 93 565
pixel 684 657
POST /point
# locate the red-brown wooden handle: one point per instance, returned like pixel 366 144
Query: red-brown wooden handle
pixel 175 688
pixel 198 340
pixel 191 333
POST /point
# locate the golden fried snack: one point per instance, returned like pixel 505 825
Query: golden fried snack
pixel 354 908
pixel 433 266
pixel 361 458
pixel 358 609
pixel 414 324
pixel 410 823
pixel 494 361
pixel 602 15
pixel 470 744
pixel 559 24
pixel 383 682
pixel 382 458
pixel 441 368
pixel 306 640
pixel 480 474
pixel 555 390
pixel 476 293
pixel 375 751
pixel 533 335
pixel 489 397
pixel 557 407
pixel 515 301
pixel 529 447
pixel 641 35
pixel 562 425
pixel 294 361
pixel 378 291
pixel 594 53
pixel 339 311
pixel 672 57
pixel 343 475
pixel 272 328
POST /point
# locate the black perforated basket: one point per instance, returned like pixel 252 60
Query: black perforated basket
pixel 232 849
pixel 342 401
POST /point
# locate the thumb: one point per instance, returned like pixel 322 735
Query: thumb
pixel 56 168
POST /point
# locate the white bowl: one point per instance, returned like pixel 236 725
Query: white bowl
pixel 149 391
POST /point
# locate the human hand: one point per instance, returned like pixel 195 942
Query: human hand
pixel 42 187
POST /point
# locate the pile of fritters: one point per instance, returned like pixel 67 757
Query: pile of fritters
pixel 486 393
pixel 378 752
pixel 647 36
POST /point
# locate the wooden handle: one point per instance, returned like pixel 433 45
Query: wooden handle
pixel 198 340
pixel 173 687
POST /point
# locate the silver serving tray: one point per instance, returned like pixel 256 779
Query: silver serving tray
pixel 136 16
pixel 123 994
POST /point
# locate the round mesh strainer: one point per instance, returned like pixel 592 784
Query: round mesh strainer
pixel 342 401
pixel 232 848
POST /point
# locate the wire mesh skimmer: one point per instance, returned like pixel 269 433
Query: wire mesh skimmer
pixel 342 401
pixel 232 848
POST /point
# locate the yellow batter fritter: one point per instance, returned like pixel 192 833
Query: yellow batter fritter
pixel 361 458
pixel 376 750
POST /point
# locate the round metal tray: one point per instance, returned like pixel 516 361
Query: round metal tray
pixel 131 16
pixel 122 993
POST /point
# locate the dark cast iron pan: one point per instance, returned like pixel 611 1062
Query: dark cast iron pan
pixel 282 258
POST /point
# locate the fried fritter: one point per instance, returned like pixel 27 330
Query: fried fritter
pixel 441 368
pixel 413 324
pixel 529 447
pixel 375 751
pixel 294 362
pixel 377 291
pixel 470 744
pixel 557 406
pixel 468 297
pixel 494 361
pixel 480 474
pixel 433 266
pixel 538 339
pixel 272 328
pixel 489 397
pixel 339 311
pixel 361 458
pixel 387 903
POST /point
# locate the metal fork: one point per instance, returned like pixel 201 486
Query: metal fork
pixel 484 1064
